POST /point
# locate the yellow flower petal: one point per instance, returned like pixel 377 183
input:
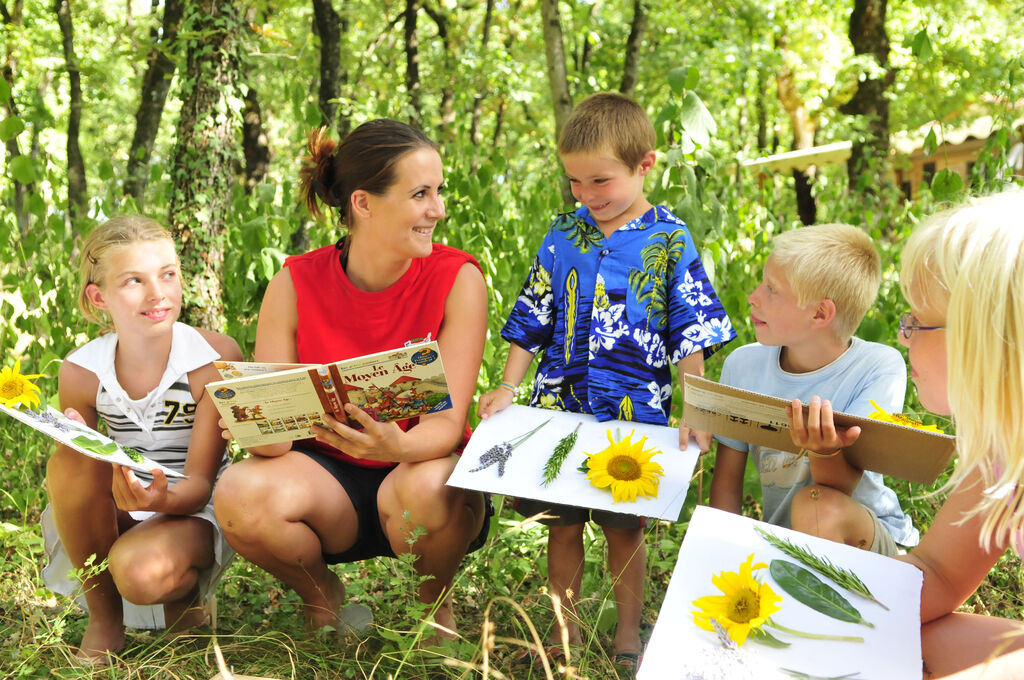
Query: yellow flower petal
pixel 625 468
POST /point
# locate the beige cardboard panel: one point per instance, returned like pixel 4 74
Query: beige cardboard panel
pixel 894 450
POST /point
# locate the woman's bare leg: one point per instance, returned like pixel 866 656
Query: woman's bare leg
pixel 283 514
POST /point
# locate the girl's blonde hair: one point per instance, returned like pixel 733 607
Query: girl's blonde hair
pixel 969 261
pixel 107 238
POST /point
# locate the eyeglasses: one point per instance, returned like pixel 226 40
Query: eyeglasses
pixel 908 324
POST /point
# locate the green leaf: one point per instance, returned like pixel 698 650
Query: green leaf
pixel 763 637
pixel 696 119
pixel 10 128
pixel 5 91
pixel 804 586
pixel 106 169
pixel 22 169
pixel 930 143
pixel 677 79
pixel 692 77
pixel 921 46
pixel 946 185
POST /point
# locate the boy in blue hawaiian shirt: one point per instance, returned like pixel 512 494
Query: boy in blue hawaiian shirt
pixel 616 297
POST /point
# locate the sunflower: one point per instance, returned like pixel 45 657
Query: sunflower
pixel 900 419
pixel 16 388
pixel 626 468
pixel 744 604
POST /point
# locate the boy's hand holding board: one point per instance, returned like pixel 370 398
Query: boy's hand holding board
pixel 892 449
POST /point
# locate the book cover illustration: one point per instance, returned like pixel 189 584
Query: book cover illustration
pixel 267 407
pixel 86 440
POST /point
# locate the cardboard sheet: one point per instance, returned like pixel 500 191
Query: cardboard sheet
pixel 524 469
pixel 718 541
pixel 894 450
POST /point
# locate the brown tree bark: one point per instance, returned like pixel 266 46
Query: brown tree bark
pixel 442 19
pixel 329 27
pixel 77 190
pixel 204 158
pixel 412 62
pixel 478 98
pixel 558 78
pixel 805 126
pixel 255 147
pixel 631 62
pixel 13 17
pixel 868 36
pixel 155 85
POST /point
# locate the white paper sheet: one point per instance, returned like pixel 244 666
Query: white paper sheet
pixel 69 429
pixel 718 541
pixel 524 471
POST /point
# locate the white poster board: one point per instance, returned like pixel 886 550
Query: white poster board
pixel 524 469
pixel 718 541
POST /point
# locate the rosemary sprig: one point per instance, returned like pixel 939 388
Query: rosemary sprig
pixel 843 577
pixel 558 456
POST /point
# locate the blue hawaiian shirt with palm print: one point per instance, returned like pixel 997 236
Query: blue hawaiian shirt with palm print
pixel 614 315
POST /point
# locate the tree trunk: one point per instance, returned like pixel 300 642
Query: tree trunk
pixel 805 126
pixel 77 196
pixel 412 62
pixel 558 78
pixel 868 36
pixel 205 154
pixel 13 17
pixel 254 142
pixel 631 63
pixel 478 98
pixel 328 26
pixel 447 110
pixel 155 84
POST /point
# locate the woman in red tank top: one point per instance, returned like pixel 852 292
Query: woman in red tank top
pixel 294 508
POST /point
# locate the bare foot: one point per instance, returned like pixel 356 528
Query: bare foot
pixel 99 639
pixel 323 611
pixel 627 642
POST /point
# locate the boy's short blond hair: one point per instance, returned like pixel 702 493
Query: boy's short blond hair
pixel 609 121
pixel 836 262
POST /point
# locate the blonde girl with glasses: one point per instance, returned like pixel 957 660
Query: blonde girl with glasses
pixel 963 275
pixel 144 376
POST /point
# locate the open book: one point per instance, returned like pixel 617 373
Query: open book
pixel 84 439
pixel 271 403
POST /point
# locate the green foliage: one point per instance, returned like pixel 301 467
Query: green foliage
pixel 707 87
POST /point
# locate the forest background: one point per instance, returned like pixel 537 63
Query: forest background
pixel 195 112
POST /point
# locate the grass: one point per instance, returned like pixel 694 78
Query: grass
pixel 501 605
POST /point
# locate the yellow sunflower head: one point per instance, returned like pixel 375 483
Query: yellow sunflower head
pixel 899 419
pixel 744 603
pixel 626 468
pixel 16 388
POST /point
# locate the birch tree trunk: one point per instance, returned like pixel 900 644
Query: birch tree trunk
pixel 205 153
pixel 805 126
pixel 13 17
pixel 155 85
pixel 558 78
pixel 442 18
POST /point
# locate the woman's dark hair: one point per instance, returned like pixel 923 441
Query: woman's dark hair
pixel 365 160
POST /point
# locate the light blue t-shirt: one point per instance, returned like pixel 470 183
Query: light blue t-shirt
pixel 866 371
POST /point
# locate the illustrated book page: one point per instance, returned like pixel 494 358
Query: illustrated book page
pixel 84 439
pixel 522 473
pixel 275 406
pixel 717 542
pixel 895 450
